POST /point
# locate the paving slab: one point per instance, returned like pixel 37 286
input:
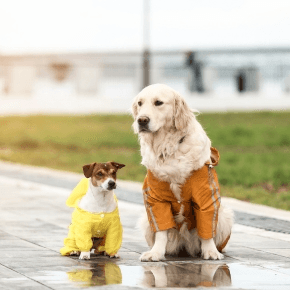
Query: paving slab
pixel 34 221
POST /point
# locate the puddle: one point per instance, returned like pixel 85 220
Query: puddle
pixel 177 275
pixel 171 275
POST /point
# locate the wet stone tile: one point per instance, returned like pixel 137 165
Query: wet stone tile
pixel 280 252
pixel 21 254
pixel 258 242
pixel 51 245
pixel 254 256
pixel 8 273
pixel 135 246
pixel 15 284
pixel 6 236
pixel 35 262
pixel 19 244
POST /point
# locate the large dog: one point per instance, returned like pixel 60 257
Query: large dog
pixel 181 192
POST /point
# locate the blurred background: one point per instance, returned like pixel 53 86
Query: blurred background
pixel 96 55
pixel 70 69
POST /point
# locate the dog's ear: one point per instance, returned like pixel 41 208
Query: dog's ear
pixel 182 113
pixel 88 169
pixel 117 165
pixel 134 109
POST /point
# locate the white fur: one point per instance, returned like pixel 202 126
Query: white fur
pixel 85 256
pixel 172 161
pixel 96 200
pixel 157 253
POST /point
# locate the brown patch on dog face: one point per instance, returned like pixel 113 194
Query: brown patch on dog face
pixel 99 172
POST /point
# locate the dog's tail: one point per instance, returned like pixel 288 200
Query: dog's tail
pixel 224 226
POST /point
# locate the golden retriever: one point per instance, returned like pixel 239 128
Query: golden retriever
pixel 173 145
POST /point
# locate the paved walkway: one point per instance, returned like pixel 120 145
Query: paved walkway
pixel 33 224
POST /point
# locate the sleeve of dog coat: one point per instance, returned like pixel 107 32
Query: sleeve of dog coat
pixel 79 191
pixel 206 199
pixel 114 236
pixel 159 214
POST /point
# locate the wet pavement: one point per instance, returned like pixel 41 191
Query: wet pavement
pixel 125 192
pixel 34 221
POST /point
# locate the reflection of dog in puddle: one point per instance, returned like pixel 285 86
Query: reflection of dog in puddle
pixel 187 275
pixel 102 274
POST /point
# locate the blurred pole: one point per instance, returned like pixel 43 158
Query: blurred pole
pixel 146 43
pixel 196 78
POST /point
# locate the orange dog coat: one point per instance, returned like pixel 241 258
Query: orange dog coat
pixel 200 198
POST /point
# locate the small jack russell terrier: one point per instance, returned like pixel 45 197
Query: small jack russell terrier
pixel 95 221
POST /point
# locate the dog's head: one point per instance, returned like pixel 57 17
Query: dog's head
pixel 158 106
pixel 103 174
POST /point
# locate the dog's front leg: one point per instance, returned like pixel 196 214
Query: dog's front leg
pixel 209 250
pixel 85 256
pixel 157 252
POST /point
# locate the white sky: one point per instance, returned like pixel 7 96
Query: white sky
pixel 28 26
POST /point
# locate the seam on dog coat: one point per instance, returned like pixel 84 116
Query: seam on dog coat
pixel 86 225
pixel 200 198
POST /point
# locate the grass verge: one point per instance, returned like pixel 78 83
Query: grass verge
pixel 254 147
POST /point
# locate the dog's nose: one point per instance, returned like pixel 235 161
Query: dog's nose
pixel 112 184
pixel 143 121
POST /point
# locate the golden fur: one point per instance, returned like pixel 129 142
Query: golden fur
pixel 173 144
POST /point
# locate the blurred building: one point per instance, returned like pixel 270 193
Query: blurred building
pixel 116 78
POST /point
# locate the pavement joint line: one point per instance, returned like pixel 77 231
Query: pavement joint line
pixel 26 276
pixel 131 250
pixel 29 242
pixel 261 250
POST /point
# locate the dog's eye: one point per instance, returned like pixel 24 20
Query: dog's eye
pixel 158 103
pixel 140 103
pixel 100 174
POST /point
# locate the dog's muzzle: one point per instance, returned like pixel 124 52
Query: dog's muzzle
pixel 143 123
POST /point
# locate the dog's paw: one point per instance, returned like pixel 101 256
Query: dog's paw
pixel 212 255
pixel 85 256
pixel 116 256
pixel 74 253
pixel 151 256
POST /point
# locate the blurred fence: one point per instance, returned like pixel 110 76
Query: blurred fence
pixel 98 82
pixel 120 74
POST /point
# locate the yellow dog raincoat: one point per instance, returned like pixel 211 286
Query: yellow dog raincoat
pixel 86 225
pixel 199 204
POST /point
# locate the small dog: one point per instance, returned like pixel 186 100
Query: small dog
pixel 95 221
